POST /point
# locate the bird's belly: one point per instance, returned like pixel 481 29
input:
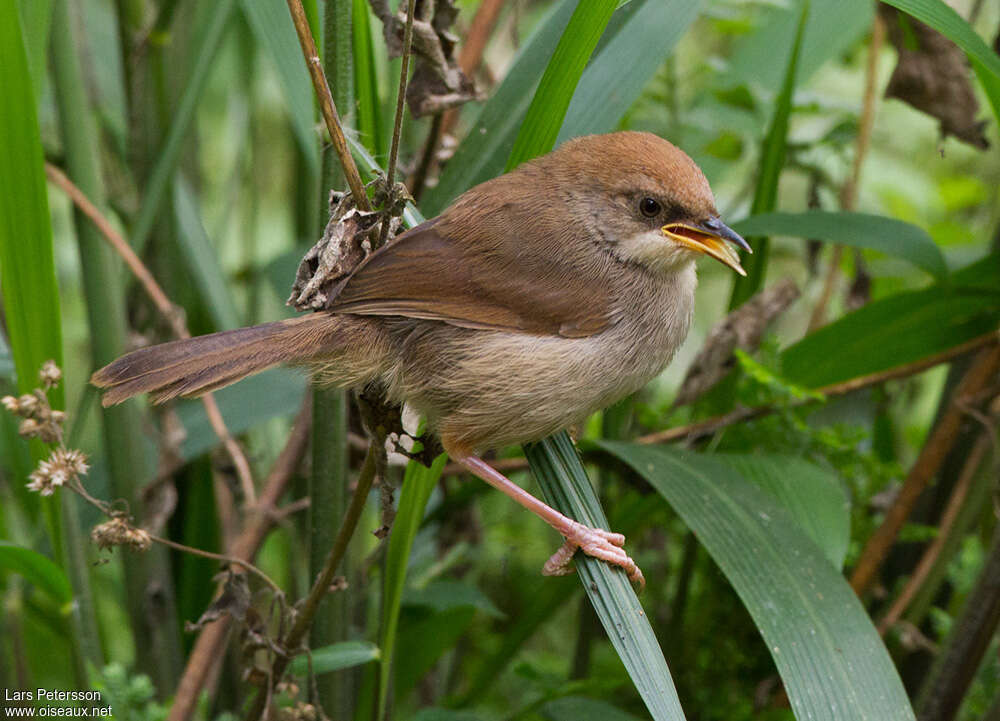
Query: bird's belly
pixel 485 389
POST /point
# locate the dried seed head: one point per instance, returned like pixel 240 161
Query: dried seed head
pixel 29 428
pixel 50 374
pixel 70 459
pixel 28 404
pixel 40 482
pixel 58 417
pixel 118 532
pixel 49 432
pixel 11 404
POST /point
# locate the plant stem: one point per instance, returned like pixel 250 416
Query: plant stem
pixel 390 169
pixel 849 193
pixel 970 637
pixel 935 449
pixel 326 104
pixel 307 610
pixel 328 480
pixel 208 647
pixel 167 309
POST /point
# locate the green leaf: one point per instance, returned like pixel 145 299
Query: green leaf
pixel 858 230
pixel 772 161
pixel 900 329
pixel 158 184
pixel 36 18
pixel 272 27
pixel 423 638
pixel 639 36
pixel 335 657
pixel 27 271
pixel 418 482
pixel 273 393
pixel 200 258
pixel 548 596
pixel 760 57
pixel 545 115
pixel 39 570
pixel 578 708
pixel 812 496
pixel 830 657
pixel 446 595
pixel 556 465
pixel 485 149
pixel 366 80
pixel 444 714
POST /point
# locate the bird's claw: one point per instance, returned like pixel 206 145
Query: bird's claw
pixel 596 542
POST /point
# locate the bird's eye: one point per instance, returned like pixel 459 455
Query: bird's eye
pixel 650 207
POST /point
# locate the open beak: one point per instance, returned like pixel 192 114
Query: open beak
pixel 709 238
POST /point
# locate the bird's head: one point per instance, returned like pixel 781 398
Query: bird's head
pixel 645 199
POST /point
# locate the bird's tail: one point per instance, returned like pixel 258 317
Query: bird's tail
pixel 194 366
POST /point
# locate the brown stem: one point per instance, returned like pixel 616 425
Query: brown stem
pixel 390 170
pixel 321 587
pixel 849 193
pixel 207 651
pixel 470 57
pixel 955 668
pixel 419 179
pixel 940 441
pixel 167 309
pixel 948 519
pixel 326 104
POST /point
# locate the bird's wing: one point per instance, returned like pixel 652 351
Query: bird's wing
pixel 425 274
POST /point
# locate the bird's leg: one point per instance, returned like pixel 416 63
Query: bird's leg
pixel 594 542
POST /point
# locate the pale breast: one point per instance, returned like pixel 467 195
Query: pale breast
pixel 487 389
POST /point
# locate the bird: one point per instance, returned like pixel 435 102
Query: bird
pixel 532 301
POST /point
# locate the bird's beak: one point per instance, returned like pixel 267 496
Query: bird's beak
pixel 709 238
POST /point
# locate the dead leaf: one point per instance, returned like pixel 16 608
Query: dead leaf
pixel 932 75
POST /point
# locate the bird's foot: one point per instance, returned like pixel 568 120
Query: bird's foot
pixel 595 542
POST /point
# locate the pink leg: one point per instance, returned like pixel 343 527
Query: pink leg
pixel 594 542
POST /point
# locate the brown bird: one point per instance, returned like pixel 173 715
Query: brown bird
pixel 534 300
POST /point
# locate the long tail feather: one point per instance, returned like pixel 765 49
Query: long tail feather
pixel 194 366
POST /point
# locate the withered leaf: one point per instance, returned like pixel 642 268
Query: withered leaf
pixel 234 601
pixel 342 247
pixel 932 75
pixel 437 83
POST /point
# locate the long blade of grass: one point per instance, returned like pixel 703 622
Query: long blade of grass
pixel 27 270
pixel 899 329
pixel 548 107
pixel 813 497
pixel 36 16
pixel 639 37
pixel 180 125
pixel 858 230
pixel 124 445
pixel 564 483
pixel 369 117
pixel 418 482
pixel 272 27
pixel 38 569
pixel 201 260
pixel 772 161
pixel 830 657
